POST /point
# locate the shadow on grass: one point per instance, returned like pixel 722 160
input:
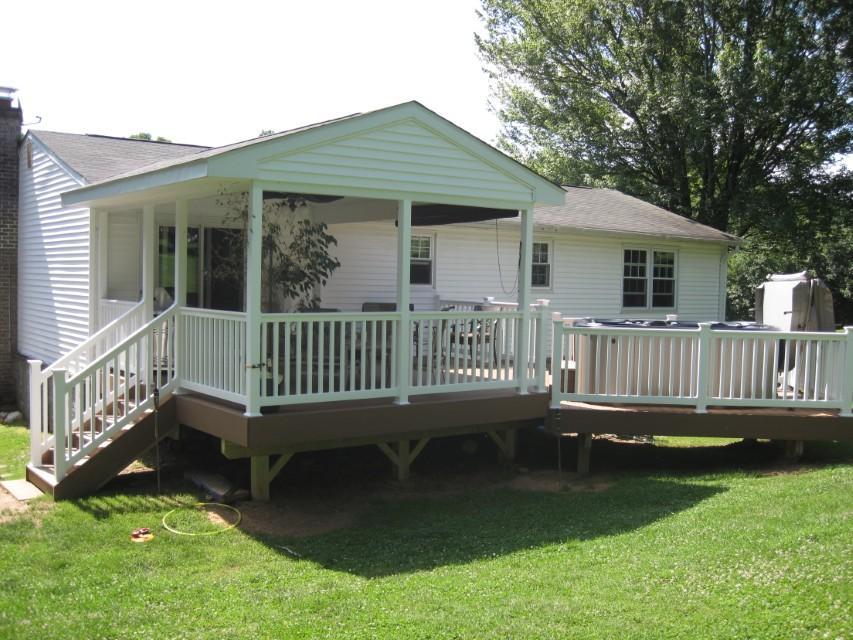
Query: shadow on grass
pixel 421 534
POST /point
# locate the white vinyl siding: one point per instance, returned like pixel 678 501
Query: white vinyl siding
pixel 124 239
pixel 53 260
pixel 586 270
pixel 405 156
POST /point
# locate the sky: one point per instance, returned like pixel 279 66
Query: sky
pixel 215 72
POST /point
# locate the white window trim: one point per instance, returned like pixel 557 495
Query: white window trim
pixel 432 253
pixel 650 252
pixel 550 285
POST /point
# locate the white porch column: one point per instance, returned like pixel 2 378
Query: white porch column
pixel 149 259
pixel 254 251
pixel 94 272
pixel 102 222
pixel 404 335
pixel 181 212
pixel 524 299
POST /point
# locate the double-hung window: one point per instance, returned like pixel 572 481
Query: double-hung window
pixel 648 279
pixel 421 265
pixel 540 275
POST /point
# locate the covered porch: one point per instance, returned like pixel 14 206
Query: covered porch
pixel 402 166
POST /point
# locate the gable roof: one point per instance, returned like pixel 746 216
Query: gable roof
pixel 96 158
pixel 609 210
pixel 221 163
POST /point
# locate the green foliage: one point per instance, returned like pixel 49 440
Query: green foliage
pixel 144 135
pixel 295 250
pixel 720 110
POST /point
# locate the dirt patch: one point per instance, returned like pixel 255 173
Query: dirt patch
pixel 549 481
pixel 220 516
pixel 10 508
pixel 296 521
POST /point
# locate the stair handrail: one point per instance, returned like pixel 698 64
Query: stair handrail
pixel 40 379
pixel 67 382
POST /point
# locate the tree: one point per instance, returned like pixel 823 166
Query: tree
pixel 144 135
pixel 295 257
pixel 714 109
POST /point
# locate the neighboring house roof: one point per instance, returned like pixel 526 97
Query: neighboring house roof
pixel 608 210
pixel 97 158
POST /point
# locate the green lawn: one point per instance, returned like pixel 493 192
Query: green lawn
pixel 722 552
pixel 14 451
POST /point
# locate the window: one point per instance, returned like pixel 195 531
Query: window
pixel 648 279
pixel 541 272
pixel 421 260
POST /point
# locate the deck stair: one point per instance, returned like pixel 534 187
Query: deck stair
pixel 94 411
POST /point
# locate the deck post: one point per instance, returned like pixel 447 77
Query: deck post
pixel 260 484
pixel 543 326
pixel 149 248
pixel 556 359
pixel 524 294
pixel 181 214
pixel 404 335
pixel 253 299
pixel 847 381
pixel 703 367
pixel 35 412
pixel 584 453
pixel 60 393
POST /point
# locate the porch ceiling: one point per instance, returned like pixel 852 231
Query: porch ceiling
pixel 401 152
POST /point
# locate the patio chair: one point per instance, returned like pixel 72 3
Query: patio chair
pixel 468 336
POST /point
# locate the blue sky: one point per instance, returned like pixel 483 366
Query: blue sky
pixel 217 72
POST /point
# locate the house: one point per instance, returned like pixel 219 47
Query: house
pixel 456 266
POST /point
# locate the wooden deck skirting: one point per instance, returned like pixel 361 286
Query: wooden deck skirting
pixel 659 420
pixel 339 424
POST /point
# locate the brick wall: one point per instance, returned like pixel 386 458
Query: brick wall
pixel 10 129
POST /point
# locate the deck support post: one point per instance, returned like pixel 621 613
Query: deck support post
pixel 263 473
pixel 584 453
pixel 402 454
pixel 543 326
pixel 404 335
pixel 522 349
pixel 253 300
pixel 506 441
pixel 793 450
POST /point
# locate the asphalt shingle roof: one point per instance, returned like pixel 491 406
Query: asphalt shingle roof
pixel 594 209
pixel 97 157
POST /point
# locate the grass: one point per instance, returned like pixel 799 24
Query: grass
pixel 728 549
pixel 14 451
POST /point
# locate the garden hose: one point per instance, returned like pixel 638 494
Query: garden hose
pixel 202 533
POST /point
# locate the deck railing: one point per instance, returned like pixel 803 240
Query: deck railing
pixel 318 357
pixel 101 386
pixel 110 310
pixel 703 367
pixel 212 352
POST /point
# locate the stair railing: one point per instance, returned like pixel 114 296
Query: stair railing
pixel 41 380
